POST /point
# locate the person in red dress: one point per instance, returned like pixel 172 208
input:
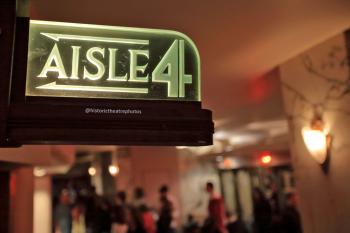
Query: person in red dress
pixel 216 210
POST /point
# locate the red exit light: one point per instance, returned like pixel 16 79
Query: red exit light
pixel 266 158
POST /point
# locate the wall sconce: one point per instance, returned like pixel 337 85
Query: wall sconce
pixel 316 140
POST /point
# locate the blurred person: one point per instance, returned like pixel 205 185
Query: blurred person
pixel 274 200
pixel 139 197
pixel 234 224
pixel 191 226
pixel 165 216
pixel 72 191
pixel 90 203
pixel 275 209
pixel 262 212
pixel 62 213
pixel 164 191
pixel 210 226
pixel 136 224
pixel 216 210
pixel 104 221
pixel 78 219
pixel 120 214
pixel 147 219
pixel 290 216
pixel 141 215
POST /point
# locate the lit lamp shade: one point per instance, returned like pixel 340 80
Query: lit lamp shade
pixel 316 142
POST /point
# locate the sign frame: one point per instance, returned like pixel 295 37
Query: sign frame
pixel 54 120
pixel 70 50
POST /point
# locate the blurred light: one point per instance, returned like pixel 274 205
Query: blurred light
pixel 316 143
pixel 113 170
pixel 39 172
pixel 92 171
pixel 268 125
pixel 245 139
pixel 228 163
pixel 265 157
pixel 221 135
pixel 316 140
pixel 181 147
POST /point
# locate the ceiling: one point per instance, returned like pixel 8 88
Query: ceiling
pixel 239 42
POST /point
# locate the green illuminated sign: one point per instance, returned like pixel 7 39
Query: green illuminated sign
pixel 94 61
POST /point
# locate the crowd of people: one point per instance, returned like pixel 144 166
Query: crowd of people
pixel 270 217
pixel 92 213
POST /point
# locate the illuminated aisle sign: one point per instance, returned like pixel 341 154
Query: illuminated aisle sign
pixel 94 61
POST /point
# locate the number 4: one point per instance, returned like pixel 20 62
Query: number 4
pixel 171 70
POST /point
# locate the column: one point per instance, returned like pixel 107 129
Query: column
pixel 316 85
pixel 22 189
pixel 42 205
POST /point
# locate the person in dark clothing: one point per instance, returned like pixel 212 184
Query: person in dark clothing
pixel 165 216
pixel 164 192
pixel 274 201
pixel 191 225
pixel 138 214
pixel 120 214
pixel 136 222
pixel 290 216
pixel 104 220
pixel 275 210
pixel 262 212
pixel 126 218
pixel 210 226
pixel 91 209
pixel 139 197
pixel 234 224
pixel 62 213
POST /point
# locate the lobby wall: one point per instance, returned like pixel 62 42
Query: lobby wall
pixel 317 82
pixel 195 172
pixel 149 168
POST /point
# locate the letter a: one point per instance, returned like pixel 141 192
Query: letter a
pixel 58 67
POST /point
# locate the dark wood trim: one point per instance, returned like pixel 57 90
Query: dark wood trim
pixel 7 36
pixel 5 201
